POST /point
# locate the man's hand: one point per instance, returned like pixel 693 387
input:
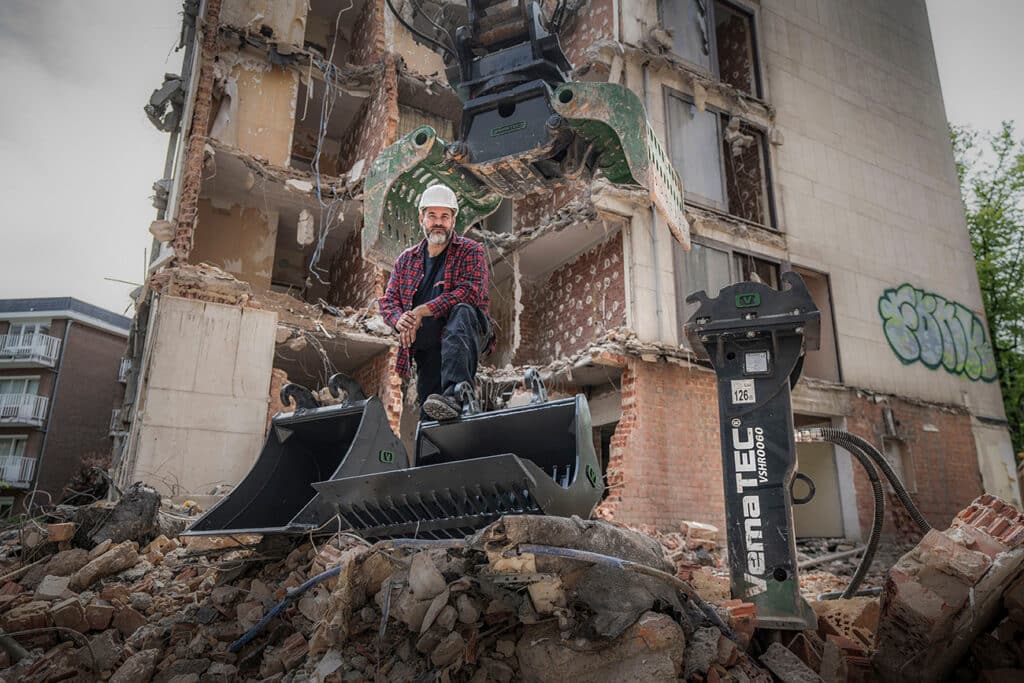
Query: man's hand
pixel 409 323
pixel 407 337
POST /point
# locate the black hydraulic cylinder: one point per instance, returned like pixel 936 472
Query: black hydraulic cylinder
pixel 755 338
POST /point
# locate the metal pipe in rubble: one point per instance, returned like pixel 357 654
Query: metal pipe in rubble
pixel 878 516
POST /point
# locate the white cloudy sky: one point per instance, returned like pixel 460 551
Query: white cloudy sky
pixel 78 156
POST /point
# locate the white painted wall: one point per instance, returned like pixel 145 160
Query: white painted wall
pixel 203 408
pixel 865 177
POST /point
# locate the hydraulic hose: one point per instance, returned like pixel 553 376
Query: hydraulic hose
pixel 878 516
pixel 894 480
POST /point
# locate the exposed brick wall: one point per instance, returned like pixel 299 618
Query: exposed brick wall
pixel 86 393
pixel 378 378
pixel 665 463
pixel 368 42
pixel 576 303
pixel 188 198
pixel 377 121
pixel 354 280
pixel 533 210
pixel 944 462
pixel 594 22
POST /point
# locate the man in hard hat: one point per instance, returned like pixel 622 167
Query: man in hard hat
pixel 437 301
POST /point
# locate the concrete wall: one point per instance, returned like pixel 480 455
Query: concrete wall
pixel 240 240
pixel 202 413
pixel 865 177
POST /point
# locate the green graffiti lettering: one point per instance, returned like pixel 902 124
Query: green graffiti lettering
pixel 924 327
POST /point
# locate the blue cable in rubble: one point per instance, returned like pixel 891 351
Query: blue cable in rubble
pixel 293 593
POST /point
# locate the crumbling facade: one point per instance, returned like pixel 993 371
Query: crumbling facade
pixel 812 141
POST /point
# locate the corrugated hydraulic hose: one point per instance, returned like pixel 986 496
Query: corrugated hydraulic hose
pixel 890 474
pixel 878 517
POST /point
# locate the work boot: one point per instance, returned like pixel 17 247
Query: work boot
pixel 441 407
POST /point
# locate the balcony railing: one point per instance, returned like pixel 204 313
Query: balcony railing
pixel 28 349
pixel 16 471
pixel 23 409
pixel 122 372
pixel 117 427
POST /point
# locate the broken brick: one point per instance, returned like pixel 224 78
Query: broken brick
pixel 941 595
pixel 128 620
pixel 118 558
pixel 70 614
pixel 57 533
pixel 99 615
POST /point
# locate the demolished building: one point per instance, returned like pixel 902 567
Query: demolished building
pixel 807 142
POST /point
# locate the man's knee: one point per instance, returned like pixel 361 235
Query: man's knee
pixel 463 317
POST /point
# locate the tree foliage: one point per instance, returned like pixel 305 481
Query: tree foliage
pixel 990 167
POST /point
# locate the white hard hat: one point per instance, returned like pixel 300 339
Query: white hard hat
pixel 439 195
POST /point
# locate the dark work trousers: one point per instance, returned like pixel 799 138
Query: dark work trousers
pixel 440 367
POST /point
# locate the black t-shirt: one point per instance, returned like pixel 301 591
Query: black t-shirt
pixel 429 334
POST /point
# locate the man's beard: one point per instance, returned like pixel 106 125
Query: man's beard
pixel 437 237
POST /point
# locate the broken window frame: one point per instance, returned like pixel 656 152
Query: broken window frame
pixel 770 218
pixel 733 254
pixel 752 13
pixel 670 94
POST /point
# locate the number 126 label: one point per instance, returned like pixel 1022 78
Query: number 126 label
pixel 743 391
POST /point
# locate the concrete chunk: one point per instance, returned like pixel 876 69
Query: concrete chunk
pixel 787 666
pixel 118 558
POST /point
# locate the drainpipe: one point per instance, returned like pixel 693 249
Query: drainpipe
pixel 654 232
pixel 49 416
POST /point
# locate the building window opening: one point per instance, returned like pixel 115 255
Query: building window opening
pixel 824 362
pixel 717 37
pixel 734 37
pixel 710 268
pixel 722 161
pixel 745 179
pixel 753 269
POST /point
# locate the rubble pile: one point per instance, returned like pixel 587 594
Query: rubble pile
pixel 107 595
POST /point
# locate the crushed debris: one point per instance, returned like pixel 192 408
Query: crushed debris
pixel 104 592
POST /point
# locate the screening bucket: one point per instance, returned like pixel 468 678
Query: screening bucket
pixel 535 459
pixel 312 444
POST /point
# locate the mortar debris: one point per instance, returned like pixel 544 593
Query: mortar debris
pixel 85 595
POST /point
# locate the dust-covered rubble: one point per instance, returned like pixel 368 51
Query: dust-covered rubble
pixel 525 599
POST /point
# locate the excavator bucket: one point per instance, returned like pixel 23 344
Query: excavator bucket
pixel 311 444
pixel 535 459
pixel 600 126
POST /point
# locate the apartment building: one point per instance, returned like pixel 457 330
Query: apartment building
pixel 62 370
pixel 809 136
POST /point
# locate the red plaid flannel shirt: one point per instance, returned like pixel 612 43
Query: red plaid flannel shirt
pixel 466 280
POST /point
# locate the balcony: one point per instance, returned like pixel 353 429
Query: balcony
pixel 28 350
pixel 26 410
pixel 122 372
pixel 117 426
pixel 16 471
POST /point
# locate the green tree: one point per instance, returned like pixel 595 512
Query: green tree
pixel 990 167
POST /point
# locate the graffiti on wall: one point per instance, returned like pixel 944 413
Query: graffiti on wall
pixel 924 327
